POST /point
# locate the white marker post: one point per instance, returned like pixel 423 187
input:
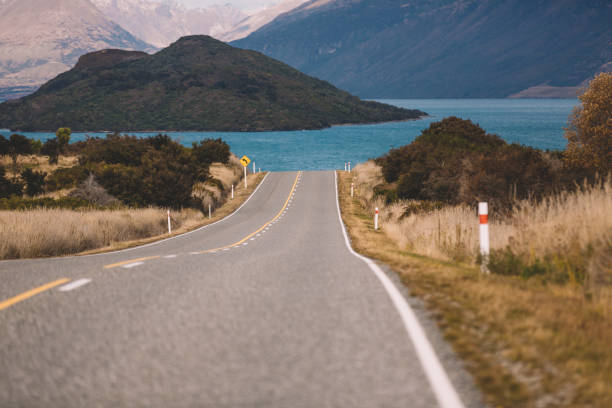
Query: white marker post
pixel 254 169
pixel 169 225
pixel 352 189
pixel 349 167
pixel 209 212
pixel 376 219
pixel 483 215
pixel 345 166
pixel 232 191
pixel 245 178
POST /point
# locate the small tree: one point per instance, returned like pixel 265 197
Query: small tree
pixel 51 148
pixel 63 137
pixel 18 145
pixel 589 133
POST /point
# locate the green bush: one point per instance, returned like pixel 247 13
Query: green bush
pixel 68 177
pixel 455 161
pixel 9 187
pixel 35 181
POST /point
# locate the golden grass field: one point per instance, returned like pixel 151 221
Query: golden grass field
pixel 57 232
pixel 527 343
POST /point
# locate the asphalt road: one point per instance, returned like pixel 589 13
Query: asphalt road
pixel 267 308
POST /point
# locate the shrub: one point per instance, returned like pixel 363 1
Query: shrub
pixel 34 180
pixel 67 177
pixel 9 187
pixel 455 161
pixel 210 151
pixel 589 133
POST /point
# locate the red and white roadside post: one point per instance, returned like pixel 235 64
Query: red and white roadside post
pixel 483 215
pixel 169 225
pixel 345 166
pixel 376 218
pixel 349 167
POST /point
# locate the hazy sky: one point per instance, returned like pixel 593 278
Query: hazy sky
pixel 241 4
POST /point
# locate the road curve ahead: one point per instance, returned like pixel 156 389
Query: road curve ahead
pixel 268 308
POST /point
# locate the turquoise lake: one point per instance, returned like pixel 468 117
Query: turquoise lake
pixel 534 122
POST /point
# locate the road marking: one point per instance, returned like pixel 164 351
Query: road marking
pixel 32 292
pixel 263 227
pixel 131 261
pixel 74 285
pixel 132 265
pixel 169 256
pixel 438 379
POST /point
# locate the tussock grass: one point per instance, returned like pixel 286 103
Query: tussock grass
pixel 528 343
pixel 38 163
pixel 572 231
pixel 58 232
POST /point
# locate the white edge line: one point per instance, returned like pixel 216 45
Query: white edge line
pixel 438 379
pixel 74 285
pixel 152 243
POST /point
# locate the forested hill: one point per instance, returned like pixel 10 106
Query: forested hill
pixel 197 83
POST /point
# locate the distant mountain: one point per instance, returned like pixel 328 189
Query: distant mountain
pixel 257 20
pixel 442 48
pixel 41 38
pixel 198 83
pixel 163 22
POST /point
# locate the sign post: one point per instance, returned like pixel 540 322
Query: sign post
pixel 245 162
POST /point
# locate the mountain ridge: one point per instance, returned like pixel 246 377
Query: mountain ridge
pixel 447 48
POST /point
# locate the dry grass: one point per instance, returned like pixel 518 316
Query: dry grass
pixel 570 225
pixel 55 232
pixel 527 344
pixel 39 163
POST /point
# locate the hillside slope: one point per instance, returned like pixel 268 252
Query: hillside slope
pixel 41 38
pixel 198 83
pixel 445 48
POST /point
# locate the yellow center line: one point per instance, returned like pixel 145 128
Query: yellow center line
pixel 130 261
pixel 263 226
pixel 32 292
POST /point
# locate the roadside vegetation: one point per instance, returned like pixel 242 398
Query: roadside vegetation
pixel 59 198
pixel 536 331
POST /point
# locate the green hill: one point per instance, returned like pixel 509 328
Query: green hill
pixel 197 83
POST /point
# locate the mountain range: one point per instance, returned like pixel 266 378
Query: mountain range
pixel 197 83
pixel 444 48
pixel 40 39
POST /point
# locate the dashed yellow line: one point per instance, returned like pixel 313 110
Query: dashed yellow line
pixel 262 227
pixel 130 261
pixel 32 292
pixel 115 265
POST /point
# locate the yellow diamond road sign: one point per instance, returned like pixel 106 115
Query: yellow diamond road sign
pixel 245 161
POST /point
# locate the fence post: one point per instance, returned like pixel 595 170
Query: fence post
pixel 483 215
pixel 169 225
pixel 376 219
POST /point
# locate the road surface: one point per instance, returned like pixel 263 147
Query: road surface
pixel 267 308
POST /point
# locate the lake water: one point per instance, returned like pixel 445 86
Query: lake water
pixel 534 122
